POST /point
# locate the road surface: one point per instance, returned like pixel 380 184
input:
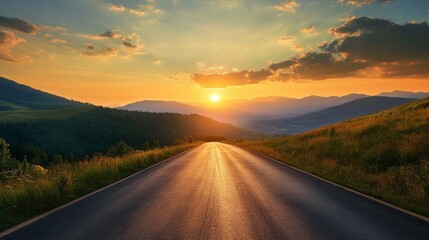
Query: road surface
pixel 218 191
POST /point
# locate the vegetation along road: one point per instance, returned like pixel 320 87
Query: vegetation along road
pixel 218 191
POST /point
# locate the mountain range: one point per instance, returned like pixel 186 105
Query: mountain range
pixel 346 111
pixel 283 115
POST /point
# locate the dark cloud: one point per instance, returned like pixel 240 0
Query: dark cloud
pixel 311 65
pixel 282 65
pixel 364 47
pixel 381 40
pixel 317 66
pixel 109 34
pixel 402 69
pixel 105 35
pixel 128 44
pixel 18 25
pixel 230 79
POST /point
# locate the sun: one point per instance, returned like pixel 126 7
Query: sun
pixel 214 97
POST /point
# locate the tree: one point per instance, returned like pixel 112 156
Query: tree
pixel 146 146
pixel 119 150
pixel 5 158
pixel 156 144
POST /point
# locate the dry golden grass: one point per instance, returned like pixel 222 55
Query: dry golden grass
pixel 33 192
pixel 385 155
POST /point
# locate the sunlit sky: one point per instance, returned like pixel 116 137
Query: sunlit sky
pixel 117 52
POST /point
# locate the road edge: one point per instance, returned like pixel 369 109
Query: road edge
pixel 43 215
pixel 408 212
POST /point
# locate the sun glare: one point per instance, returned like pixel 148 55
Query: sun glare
pixel 214 97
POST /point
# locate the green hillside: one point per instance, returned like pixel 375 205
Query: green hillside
pixel 385 154
pixel 15 96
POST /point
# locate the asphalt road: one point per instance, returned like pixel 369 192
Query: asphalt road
pixel 218 191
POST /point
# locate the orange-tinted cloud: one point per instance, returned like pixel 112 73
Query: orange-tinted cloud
pixel 288 6
pixel 360 3
pixel 53 39
pixel 143 9
pixel 117 8
pixel 309 30
pixel 7 41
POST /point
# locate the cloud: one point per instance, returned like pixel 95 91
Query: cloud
pixel 53 39
pixel 380 40
pixel 392 49
pixel 203 67
pixel 126 41
pixel 151 7
pixel 138 12
pixel 143 10
pixel 291 42
pixel 18 25
pixel 128 45
pixel 310 30
pixel 104 52
pixel 157 62
pixel 54 28
pixel 105 35
pixel 360 3
pixel 315 66
pixel 288 6
pixel 8 40
pixel 363 47
pixel 117 8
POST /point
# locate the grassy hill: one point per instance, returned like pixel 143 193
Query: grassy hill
pixel 385 154
pixel 349 110
pixel 14 96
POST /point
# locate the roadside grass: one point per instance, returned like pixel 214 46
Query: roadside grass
pixel 35 191
pixel 385 155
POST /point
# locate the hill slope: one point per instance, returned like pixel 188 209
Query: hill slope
pixel 162 106
pixel 385 154
pixel 17 96
pixel 327 116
